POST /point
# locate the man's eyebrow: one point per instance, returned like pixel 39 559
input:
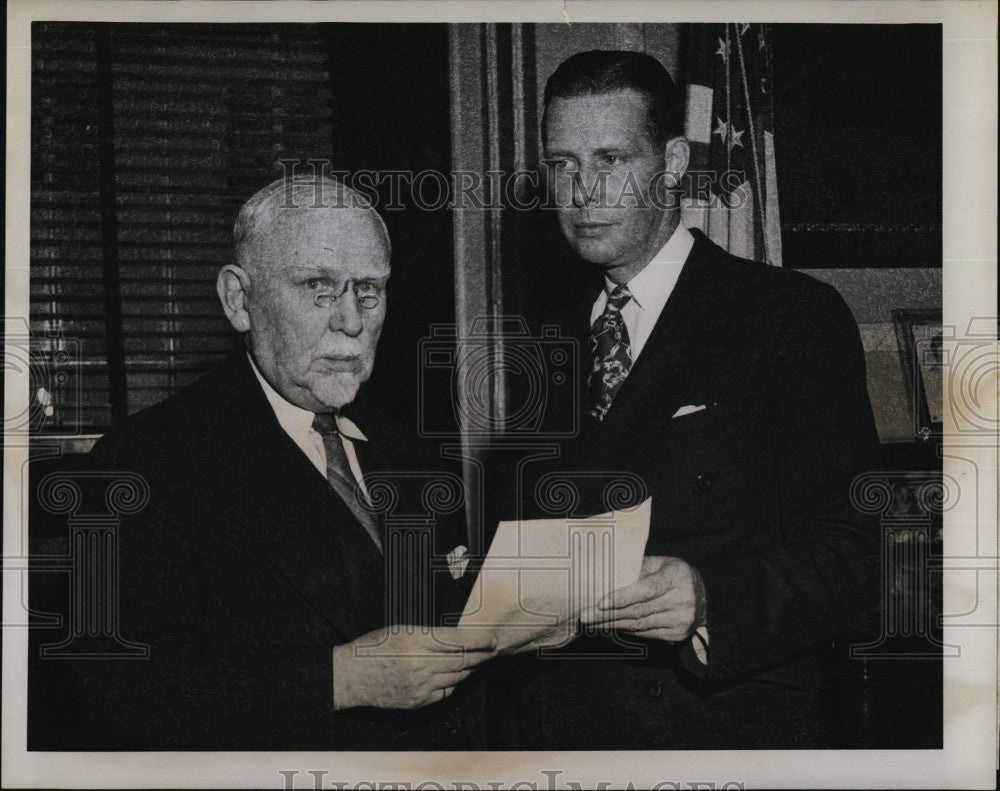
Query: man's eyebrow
pixel 555 152
pixel 319 271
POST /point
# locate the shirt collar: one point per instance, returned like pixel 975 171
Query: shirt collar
pixel 296 421
pixel 350 429
pixel 651 288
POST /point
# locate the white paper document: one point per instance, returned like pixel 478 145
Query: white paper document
pixel 540 574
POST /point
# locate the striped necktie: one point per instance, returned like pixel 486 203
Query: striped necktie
pixel 341 478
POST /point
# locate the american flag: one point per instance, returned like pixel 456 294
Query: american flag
pixel 732 186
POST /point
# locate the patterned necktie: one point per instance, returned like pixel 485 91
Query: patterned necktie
pixel 341 478
pixel 610 354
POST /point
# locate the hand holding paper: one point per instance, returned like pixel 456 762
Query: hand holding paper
pixel 667 602
pixel 402 667
pixel 540 574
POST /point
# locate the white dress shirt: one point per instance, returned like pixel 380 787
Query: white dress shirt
pixel 650 289
pixel 297 424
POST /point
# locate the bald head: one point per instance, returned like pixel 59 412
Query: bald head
pixel 306 288
pixel 273 210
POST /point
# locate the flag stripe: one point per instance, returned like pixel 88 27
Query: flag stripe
pixel 730 127
pixel 698 125
pixel 772 222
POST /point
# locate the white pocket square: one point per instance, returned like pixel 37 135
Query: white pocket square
pixel 687 410
pixel 458 559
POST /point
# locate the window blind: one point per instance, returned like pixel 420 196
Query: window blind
pixel 146 139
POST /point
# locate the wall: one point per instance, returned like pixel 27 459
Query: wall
pixel 872 295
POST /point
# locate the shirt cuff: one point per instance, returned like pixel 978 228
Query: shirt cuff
pixel 699 644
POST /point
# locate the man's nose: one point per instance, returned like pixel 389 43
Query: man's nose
pixel 345 315
pixel 584 187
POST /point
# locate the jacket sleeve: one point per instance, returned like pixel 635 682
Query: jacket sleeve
pixel 190 691
pixel 201 690
pixel 819 580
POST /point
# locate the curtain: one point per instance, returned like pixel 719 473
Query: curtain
pixel 732 186
pixel 146 138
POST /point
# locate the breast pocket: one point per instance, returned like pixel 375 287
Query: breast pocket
pixel 708 465
pixel 713 419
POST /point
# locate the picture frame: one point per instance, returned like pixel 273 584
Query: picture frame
pixel 919 336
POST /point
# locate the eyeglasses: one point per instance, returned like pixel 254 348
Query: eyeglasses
pixel 367 292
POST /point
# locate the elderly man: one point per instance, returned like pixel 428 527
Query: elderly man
pixel 260 574
pixel 736 392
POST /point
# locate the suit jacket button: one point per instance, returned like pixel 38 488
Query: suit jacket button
pixel 654 689
pixel 705 481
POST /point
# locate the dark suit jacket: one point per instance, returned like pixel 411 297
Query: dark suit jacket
pixel 753 491
pixel 242 574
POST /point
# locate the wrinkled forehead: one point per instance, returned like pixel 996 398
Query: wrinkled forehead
pixel 352 240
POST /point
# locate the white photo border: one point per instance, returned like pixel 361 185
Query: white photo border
pixel 968 759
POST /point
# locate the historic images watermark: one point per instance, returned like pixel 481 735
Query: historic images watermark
pixel 550 187
pixel 51 360
pixel 320 780
pixel 910 506
pixel 470 366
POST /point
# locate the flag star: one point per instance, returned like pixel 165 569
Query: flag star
pixel 744 27
pixel 722 130
pixel 761 43
pixel 723 50
pixel 728 133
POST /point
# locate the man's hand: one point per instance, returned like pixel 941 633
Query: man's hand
pixel 520 640
pixel 391 669
pixel 667 602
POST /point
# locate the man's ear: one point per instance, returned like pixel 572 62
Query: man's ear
pixel 233 287
pixel 676 156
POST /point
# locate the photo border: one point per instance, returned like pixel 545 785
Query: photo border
pixel 971 558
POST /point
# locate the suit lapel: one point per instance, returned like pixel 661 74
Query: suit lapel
pixel 409 571
pixel 290 511
pixel 390 451
pixel 698 308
